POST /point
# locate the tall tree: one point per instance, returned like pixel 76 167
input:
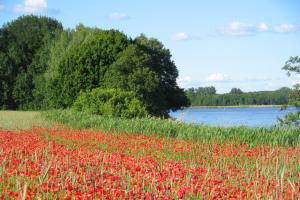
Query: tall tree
pixel 20 40
pixel 108 59
pixel 293 66
pixel 133 72
pixel 236 91
pixel 173 97
pixel 84 57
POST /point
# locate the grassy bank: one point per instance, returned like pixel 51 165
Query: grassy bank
pixel 174 129
pixel 21 120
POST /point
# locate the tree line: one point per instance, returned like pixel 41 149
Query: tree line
pixel 43 66
pixel 207 96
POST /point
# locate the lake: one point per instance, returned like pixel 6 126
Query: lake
pixel 250 116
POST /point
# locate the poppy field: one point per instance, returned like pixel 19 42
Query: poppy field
pixel 65 163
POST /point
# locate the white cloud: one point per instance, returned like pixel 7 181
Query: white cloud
pixel 31 6
pixel 262 27
pixel 217 77
pixel 237 28
pixel 180 36
pixel 1 7
pixel 285 28
pixel 118 16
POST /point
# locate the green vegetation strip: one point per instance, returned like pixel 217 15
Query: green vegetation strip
pixel 21 120
pixel 276 136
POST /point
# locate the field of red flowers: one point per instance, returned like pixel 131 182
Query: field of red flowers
pixel 61 163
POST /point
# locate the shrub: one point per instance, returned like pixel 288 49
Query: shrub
pixel 110 103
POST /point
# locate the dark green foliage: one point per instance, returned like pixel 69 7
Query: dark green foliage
pixel 168 95
pixel 236 97
pixel 145 67
pixel 20 40
pixel 109 59
pixel 88 55
pixel 133 72
pixel 43 66
pixel 236 91
pixel 22 91
pixel 294 96
pixel 44 91
pixel 110 103
pixel 293 66
pixel 202 91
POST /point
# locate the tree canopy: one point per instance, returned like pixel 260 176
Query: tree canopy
pixel 88 55
pixel 293 66
pixel 236 91
pixel 43 66
pixel 145 67
pixel 20 43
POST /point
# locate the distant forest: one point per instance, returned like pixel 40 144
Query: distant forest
pixel 207 96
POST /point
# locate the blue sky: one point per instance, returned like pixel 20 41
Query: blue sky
pixel 221 43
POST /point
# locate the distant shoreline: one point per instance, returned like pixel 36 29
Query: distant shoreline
pixel 239 106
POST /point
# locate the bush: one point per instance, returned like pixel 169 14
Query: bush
pixel 110 103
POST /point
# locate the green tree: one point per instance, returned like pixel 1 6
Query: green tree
pixel 236 91
pixel 86 58
pixel 210 90
pixel 20 40
pixel 161 63
pixel 145 67
pixel 132 72
pixel 83 58
pixel 293 66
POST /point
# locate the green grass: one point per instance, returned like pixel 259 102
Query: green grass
pixel 174 129
pixel 21 120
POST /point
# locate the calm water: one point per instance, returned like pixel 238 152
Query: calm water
pixel 254 117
